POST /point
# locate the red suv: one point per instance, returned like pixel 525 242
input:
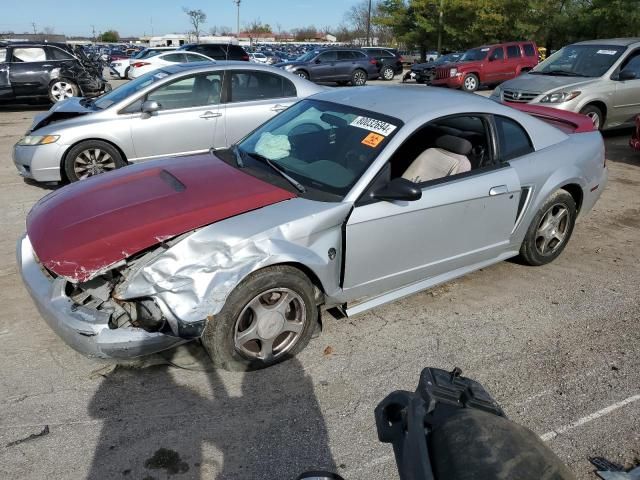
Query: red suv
pixel 488 65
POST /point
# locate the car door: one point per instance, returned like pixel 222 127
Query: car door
pixel 496 68
pixel 324 66
pixel 627 93
pixel 251 97
pixel 460 221
pixel 514 60
pixel 186 121
pixel 6 92
pixel 30 71
pixel 345 64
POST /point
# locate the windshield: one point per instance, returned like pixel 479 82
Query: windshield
pixel 449 58
pixel 307 56
pixel 126 90
pixel 146 53
pixel 324 146
pixel 580 61
pixel 475 54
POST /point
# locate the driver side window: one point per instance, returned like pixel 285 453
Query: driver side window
pixel 632 63
pixel 195 91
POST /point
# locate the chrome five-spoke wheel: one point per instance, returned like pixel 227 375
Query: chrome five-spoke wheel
pixel 552 229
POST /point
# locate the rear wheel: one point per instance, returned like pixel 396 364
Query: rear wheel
pixel 268 318
pixel 595 114
pixel 90 158
pixel 387 73
pixel 126 73
pixel 470 83
pixel 550 229
pixel 62 89
pixel 302 74
pixel 358 78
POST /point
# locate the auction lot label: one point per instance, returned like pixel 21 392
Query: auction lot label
pixel 373 125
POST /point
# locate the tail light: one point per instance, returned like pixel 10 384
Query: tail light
pixel 401 58
pixel 140 64
pixel 245 58
pixel 373 61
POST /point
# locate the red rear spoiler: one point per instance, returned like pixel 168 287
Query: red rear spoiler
pixel 568 122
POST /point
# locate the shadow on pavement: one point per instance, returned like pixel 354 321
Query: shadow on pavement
pixel 154 426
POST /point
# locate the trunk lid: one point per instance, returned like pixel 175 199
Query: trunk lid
pixel 84 229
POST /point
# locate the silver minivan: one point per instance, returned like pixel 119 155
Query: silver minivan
pixel 176 110
pixel 598 78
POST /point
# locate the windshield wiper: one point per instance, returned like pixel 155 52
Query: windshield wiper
pixel 236 152
pixel 282 173
pixel 561 73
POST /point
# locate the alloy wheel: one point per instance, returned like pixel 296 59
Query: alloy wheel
pixel 270 324
pixel 470 84
pixel 92 162
pixel 387 73
pixel 595 118
pixel 359 78
pixel 61 90
pixel 552 229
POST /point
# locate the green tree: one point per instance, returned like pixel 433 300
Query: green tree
pixel 110 36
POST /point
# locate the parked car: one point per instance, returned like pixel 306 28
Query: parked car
pixel 425 72
pixel 488 65
pixel 332 203
pixel 218 51
pixel 389 61
pixel 142 66
pixel 635 137
pixel 258 57
pixel 598 78
pixel 120 68
pixel 340 65
pixel 176 110
pixel 33 71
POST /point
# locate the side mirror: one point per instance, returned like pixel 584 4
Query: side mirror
pixel 399 189
pixel 318 60
pixel 150 106
pixel 627 75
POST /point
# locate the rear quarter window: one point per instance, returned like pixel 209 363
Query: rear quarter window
pixel 529 51
pixel 513 140
pixel 3 55
pixel 59 54
pixel 513 51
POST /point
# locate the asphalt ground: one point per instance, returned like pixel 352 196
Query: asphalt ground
pixel 557 346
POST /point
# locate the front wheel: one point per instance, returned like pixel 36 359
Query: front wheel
pixel 63 89
pixel 268 318
pixel 387 73
pixel 90 158
pixel 550 229
pixel 470 83
pixel 595 114
pixel 358 78
pixel 302 74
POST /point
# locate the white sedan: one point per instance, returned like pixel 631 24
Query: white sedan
pixel 146 65
pixel 258 57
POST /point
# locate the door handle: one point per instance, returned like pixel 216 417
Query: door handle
pixel 279 108
pixel 498 190
pixel 208 115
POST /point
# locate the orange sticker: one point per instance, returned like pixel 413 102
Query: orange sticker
pixel 372 140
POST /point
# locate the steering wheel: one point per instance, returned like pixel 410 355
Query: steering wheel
pixel 306 127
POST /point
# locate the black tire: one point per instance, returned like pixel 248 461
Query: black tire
pixel 302 74
pixel 126 73
pixel 530 251
pixel 470 83
pixel 219 336
pixel 106 156
pixel 358 78
pixel 595 114
pixel 387 73
pixel 62 89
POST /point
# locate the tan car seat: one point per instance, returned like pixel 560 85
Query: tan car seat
pixel 449 157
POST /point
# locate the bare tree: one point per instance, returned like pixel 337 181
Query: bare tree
pixel 196 18
pixel 224 30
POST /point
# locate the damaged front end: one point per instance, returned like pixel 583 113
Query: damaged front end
pixel 87 317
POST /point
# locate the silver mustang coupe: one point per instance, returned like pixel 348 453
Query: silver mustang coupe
pixel 349 199
pixel 175 110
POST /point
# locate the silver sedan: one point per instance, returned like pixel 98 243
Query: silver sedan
pixel 176 110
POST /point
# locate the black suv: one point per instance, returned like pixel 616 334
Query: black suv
pixel 33 71
pixel 389 61
pixel 341 65
pixel 218 51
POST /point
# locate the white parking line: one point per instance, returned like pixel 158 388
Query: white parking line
pixel 589 418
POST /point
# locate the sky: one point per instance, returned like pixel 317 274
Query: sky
pixel 138 17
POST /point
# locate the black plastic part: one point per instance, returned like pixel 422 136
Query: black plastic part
pixel 451 429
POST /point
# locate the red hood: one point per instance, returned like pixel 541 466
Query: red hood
pixel 88 226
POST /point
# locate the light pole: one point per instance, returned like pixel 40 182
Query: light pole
pixel 369 25
pixel 237 2
pixel 440 21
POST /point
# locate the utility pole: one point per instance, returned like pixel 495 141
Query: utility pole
pixel 33 24
pixel 93 29
pixel 152 26
pixel 237 2
pixel 369 25
pixel 440 26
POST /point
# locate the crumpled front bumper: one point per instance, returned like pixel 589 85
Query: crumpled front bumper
pixel 84 329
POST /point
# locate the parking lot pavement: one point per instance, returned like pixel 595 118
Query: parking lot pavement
pixel 557 346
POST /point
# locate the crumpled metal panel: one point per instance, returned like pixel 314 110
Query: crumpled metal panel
pixel 192 279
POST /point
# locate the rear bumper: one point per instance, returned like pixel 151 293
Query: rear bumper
pixel 84 329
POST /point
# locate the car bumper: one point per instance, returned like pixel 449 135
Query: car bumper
pixel 596 188
pixel 84 329
pixel 39 162
pixel 451 82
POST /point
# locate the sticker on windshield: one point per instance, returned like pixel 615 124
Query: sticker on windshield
pixel 373 125
pixel 372 140
pixel 607 52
